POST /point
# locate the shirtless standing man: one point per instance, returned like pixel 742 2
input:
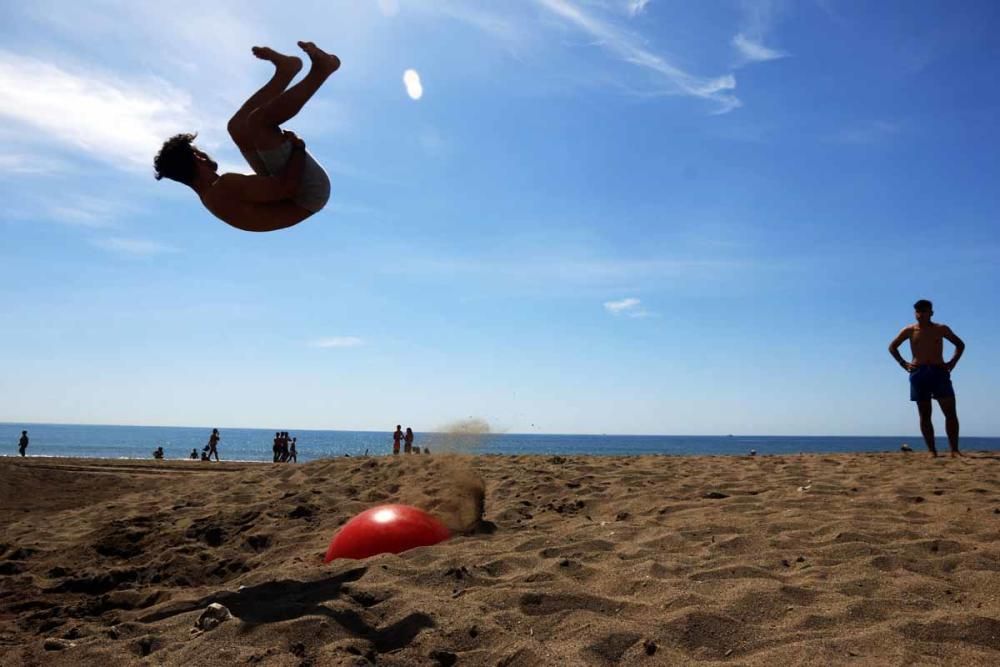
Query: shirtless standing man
pixel 930 376
pixel 288 185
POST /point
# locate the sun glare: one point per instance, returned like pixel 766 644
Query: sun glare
pixel 413 86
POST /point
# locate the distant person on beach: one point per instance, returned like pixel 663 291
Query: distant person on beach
pixel 194 455
pixel 213 444
pixel 283 447
pixel 408 441
pixel 158 453
pixel 22 444
pixel 930 375
pixel 276 446
pixel 292 454
pixel 204 454
pixel 396 437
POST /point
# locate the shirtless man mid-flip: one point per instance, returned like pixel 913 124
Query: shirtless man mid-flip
pixel 930 376
pixel 288 185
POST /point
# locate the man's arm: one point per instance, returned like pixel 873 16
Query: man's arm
pixel 255 189
pixel 894 348
pixel 959 344
pixel 266 189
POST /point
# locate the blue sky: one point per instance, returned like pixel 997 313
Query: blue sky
pixel 601 216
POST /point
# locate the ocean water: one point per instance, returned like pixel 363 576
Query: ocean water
pixel 251 444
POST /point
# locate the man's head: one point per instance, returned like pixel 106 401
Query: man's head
pixel 923 310
pixel 180 160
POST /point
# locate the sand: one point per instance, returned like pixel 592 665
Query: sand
pixel 787 560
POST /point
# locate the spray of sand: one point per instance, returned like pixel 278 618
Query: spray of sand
pixel 461 437
pixel 451 489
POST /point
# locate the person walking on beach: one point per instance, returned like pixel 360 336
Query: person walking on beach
pixel 22 444
pixel 292 454
pixel 396 437
pixel 408 441
pixel 276 446
pixel 213 444
pixel 930 375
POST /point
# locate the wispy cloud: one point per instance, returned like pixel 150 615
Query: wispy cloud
pixel 636 7
pixel 500 27
pixel 83 211
pixel 631 49
pixel 628 307
pixel 755 52
pixel 133 247
pixel 389 8
pixel 101 116
pixel 758 16
pixel 617 307
pixel 338 341
pixel 18 163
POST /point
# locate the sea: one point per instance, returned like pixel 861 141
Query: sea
pixel 254 444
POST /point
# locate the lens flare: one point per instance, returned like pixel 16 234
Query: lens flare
pixel 413 86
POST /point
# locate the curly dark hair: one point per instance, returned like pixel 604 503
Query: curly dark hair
pixel 176 159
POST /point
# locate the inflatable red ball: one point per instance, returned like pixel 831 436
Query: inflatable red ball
pixel 386 529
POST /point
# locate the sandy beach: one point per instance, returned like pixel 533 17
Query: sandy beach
pixel 796 560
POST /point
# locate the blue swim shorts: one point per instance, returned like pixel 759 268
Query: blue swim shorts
pixel 927 382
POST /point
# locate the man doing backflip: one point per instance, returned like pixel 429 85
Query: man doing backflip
pixel 930 376
pixel 288 185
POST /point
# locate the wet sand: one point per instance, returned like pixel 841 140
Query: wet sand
pixel 815 560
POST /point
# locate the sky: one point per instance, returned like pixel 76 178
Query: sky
pixel 558 216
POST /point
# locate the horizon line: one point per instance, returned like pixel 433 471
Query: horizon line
pixel 597 435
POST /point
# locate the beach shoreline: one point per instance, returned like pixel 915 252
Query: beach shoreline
pixel 786 559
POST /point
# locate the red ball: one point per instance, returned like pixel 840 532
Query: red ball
pixel 386 529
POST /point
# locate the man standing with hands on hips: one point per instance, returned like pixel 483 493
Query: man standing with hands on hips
pixel 930 375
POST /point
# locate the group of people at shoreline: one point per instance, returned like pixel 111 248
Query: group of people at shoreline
pixel 407 440
pixel 284 448
pixel 210 448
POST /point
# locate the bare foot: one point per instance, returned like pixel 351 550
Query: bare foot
pixel 955 453
pixel 321 60
pixel 290 63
